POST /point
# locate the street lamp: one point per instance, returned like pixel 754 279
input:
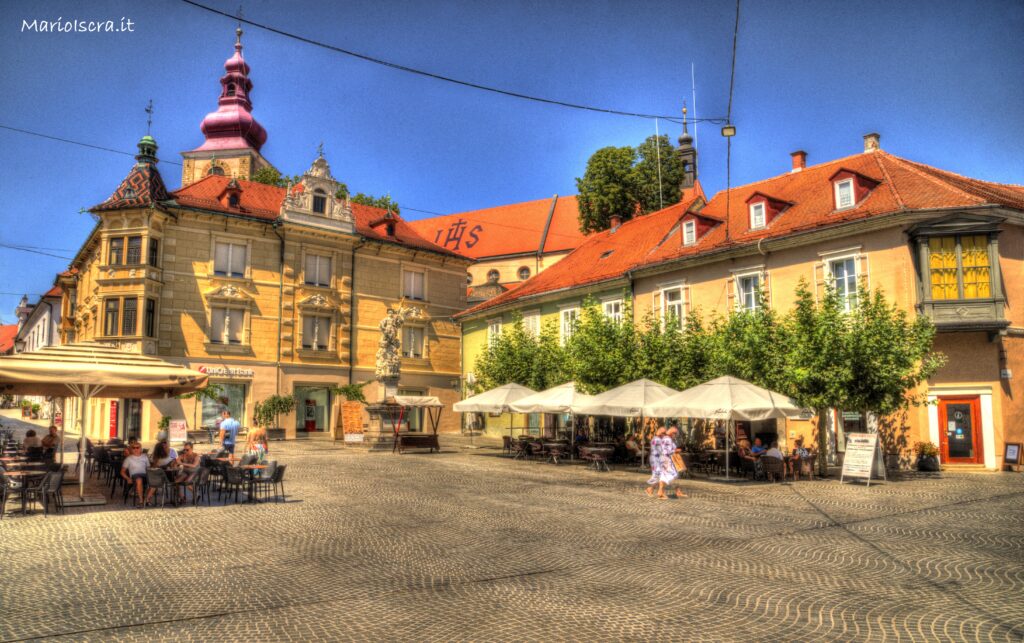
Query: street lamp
pixel 19 346
pixel 729 130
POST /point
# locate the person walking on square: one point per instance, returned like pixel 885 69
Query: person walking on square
pixel 229 427
pixel 663 472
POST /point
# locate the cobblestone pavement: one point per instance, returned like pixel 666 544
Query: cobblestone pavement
pixel 470 546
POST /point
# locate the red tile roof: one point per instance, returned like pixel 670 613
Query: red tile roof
pixel 902 185
pixel 604 255
pixel 517 228
pixel 263 202
pixel 56 291
pixel 142 187
pixel 7 335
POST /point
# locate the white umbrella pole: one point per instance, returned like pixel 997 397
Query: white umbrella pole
pixel 84 416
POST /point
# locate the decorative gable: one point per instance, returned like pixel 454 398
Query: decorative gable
pixel 845 179
pixel 313 200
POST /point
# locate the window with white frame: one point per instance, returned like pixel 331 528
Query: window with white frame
pixel 567 323
pixel 748 288
pixel 493 330
pixel 672 308
pixel 318 270
pixel 412 341
pixel 226 325
pixel 229 259
pixel 613 310
pixel 843 273
pixel 756 215
pixel 414 284
pixel 689 233
pixel 531 322
pixel 316 332
pixel 844 194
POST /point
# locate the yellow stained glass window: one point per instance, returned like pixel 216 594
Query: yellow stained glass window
pixel 942 267
pixel 977 272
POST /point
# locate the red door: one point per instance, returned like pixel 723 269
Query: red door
pixel 960 430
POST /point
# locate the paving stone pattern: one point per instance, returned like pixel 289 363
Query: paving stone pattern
pixel 470 546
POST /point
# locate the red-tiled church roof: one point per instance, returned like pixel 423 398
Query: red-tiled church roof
pixel 517 228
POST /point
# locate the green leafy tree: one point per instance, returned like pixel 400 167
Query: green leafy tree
pixel 548 367
pixel 606 188
pixel 270 175
pixel 625 181
pixel 268 412
pixel 600 350
pixel 211 393
pixel 382 202
pixel 746 344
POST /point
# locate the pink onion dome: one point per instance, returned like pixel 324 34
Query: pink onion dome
pixel 233 126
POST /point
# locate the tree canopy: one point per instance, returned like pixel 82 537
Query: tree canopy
pixel 624 181
pixel 383 202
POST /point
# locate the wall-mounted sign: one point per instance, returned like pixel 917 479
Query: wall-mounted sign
pixel 226 371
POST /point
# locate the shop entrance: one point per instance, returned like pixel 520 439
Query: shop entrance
pixel 960 430
pixel 312 408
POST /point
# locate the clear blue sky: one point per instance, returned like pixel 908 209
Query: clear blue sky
pixel 943 82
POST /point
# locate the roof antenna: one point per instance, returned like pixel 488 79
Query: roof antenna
pixel 149 116
pixel 657 146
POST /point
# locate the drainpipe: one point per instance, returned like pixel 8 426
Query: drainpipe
pixel 280 303
pixel 354 316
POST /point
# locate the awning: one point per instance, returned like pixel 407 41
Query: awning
pixel 628 400
pixel 726 398
pixel 560 399
pixel 496 400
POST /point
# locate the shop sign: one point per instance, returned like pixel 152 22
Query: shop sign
pixel 113 419
pixel 863 458
pixel 353 437
pixel 226 371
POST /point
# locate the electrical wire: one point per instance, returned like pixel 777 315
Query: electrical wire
pixel 70 142
pixel 428 74
pixel 728 115
pixel 36 252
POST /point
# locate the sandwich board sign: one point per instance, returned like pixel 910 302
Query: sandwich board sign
pixel 177 431
pixel 863 458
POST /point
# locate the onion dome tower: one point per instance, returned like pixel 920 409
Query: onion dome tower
pixel 233 136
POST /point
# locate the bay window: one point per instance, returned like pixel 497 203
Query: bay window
pixel 959 267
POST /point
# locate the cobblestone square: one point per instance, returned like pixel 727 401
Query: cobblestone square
pixel 466 545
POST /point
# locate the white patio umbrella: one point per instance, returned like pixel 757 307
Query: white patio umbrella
pixel 629 400
pixel 563 398
pixel 727 398
pixel 496 400
pixel 89 369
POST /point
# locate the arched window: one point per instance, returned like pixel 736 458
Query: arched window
pixel 524 273
pixel 231 89
pixel 319 201
pixel 215 170
pixel 493 275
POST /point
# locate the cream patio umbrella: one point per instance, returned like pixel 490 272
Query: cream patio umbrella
pixel 563 398
pixel 727 398
pixel 90 369
pixel 496 400
pixel 628 400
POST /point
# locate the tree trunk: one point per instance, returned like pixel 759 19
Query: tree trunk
pixel 823 443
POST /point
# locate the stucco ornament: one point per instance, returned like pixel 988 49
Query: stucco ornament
pixel 389 351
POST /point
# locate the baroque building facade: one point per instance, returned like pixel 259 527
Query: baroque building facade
pixel 269 290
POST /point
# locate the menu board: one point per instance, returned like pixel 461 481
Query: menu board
pixel 177 431
pixel 862 457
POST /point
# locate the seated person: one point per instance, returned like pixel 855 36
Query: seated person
pixel 133 470
pixel 31 441
pixel 51 439
pixel 774 451
pixel 633 447
pixel 185 467
pixel 163 455
pixel 758 448
pixel 799 453
pixel 744 451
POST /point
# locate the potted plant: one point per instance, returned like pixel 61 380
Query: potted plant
pixel 267 414
pixel 26 408
pixel 927 456
pixel 163 425
pixel 351 409
pixel 35 411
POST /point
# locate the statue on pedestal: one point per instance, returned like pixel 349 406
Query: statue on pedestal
pixel 389 351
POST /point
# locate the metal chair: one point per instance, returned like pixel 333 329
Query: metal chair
pixel 233 482
pixel 156 478
pixel 264 480
pixel 774 468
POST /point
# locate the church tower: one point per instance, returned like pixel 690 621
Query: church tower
pixel 233 136
pixel 688 155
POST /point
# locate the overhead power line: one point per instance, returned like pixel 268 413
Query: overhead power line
pixel 35 252
pixel 70 142
pixel 728 115
pixel 435 76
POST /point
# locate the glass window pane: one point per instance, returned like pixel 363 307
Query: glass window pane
pixel 235 394
pixel 134 250
pixel 977 274
pixel 129 323
pixel 217 324
pixel 236 318
pixel 116 254
pixel 221 258
pixel 942 267
pixel 237 260
pixel 154 251
pixel 112 308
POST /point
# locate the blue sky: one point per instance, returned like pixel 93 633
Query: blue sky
pixel 943 82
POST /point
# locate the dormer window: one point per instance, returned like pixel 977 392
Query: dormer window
pixel 319 201
pixel 756 215
pixel 233 200
pixel 689 233
pixel 391 229
pixel 844 194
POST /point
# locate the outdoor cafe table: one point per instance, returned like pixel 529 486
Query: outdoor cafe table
pixel 252 469
pixel 26 475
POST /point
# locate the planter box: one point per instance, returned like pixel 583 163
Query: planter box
pixel 275 434
pixel 928 463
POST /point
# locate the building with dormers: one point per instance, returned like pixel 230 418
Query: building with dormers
pixel 936 243
pixel 269 290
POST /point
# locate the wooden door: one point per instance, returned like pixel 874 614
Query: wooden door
pixel 960 430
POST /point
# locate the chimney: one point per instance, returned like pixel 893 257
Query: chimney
pixel 615 221
pixel 871 142
pixel 799 160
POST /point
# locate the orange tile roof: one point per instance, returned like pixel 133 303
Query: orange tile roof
pixel 517 228
pixel 902 185
pixel 263 202
pixel 56 291
pixel 7 335
pixel 603 256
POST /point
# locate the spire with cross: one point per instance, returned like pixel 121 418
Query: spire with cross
pixel 149 116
